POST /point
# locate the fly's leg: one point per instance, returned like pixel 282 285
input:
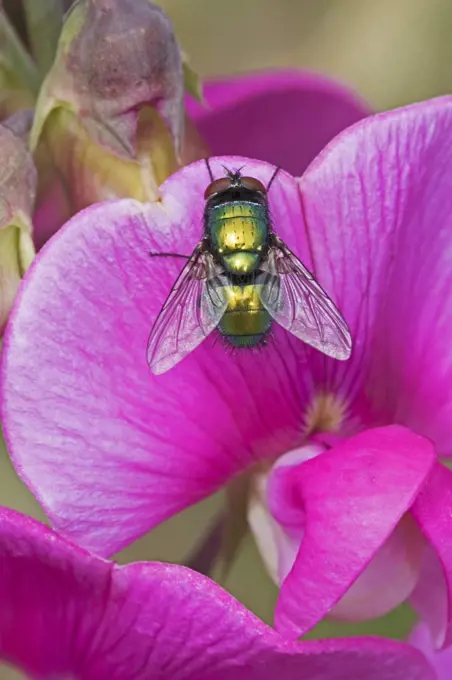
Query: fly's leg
pixel 272 178
pixel 185 257
pixel 209 170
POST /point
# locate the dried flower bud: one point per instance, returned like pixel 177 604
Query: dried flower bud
pixel 111 111
pixel 125 57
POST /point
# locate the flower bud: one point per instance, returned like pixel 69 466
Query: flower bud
pixel 111 111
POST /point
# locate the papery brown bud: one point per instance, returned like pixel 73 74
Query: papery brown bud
pixel 111 111
pixel 115 57
pixel 126 56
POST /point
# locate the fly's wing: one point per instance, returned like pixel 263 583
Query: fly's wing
pixel 295 300
pixel 192 310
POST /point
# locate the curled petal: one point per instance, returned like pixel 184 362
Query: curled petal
pixel 440 660
pixel 433 512
pixel 353 495
pixel 277 517
pixel 389 578
pixel 278 548
pixel 81 616
pixel 430 596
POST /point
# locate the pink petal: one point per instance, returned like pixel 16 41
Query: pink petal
pixel 353 496
pixel 433 512
pixel 441 661
pixel 389 578
pixel 385 583
pixel 378 210
pixel 65 613
pixel 109 449
pixel 283 117
pixel 430 597
pixel 279 529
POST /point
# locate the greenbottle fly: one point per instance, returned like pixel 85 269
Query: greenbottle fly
pixel 239 279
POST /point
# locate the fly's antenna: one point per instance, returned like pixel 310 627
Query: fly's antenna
pixel 273 177
pixel 209 170
pixel 234 175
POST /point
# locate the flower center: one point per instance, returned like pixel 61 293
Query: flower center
pixel 326 413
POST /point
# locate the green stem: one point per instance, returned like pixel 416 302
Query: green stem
pixel 203 557
pixel 44 21
pixel 15 57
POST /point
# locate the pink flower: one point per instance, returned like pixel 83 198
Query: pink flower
pixel 111 450
pixel 66 613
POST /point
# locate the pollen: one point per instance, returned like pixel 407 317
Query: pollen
pixel 325 413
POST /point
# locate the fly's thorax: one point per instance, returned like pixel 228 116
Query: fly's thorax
pixel 239 233
pixel 245 321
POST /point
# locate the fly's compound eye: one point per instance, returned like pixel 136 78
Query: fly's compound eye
pixel 253 184
pixel 217 187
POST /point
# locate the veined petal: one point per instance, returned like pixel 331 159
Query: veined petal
pixel 378 210
pixel 282 117
pixel 112 449
pixel 433 512
pixel 353 496
pixel 79 616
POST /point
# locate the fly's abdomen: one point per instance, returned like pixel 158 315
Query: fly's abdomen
pixel 239 232
pixel 245 322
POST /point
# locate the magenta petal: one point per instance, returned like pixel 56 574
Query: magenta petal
pixel 433 512
pixel 108 448
pixel 430 596
pixel 66 613
pixel 353 497
pixel 378 210
pixel 441 661
pixel 283 117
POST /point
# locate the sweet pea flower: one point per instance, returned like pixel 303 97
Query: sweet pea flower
pixel 66 613
pixel 111 450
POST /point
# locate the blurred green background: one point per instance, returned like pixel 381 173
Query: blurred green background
pixel 392 52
